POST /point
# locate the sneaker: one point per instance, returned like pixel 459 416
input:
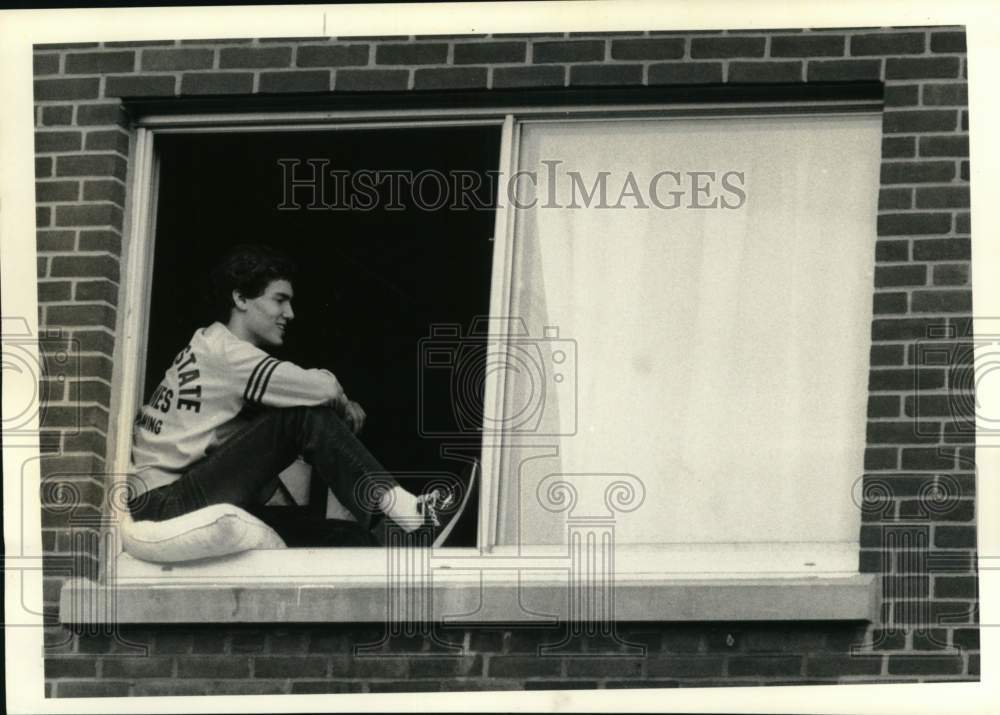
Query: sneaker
pixel 444 507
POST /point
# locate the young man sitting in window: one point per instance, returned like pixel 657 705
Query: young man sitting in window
pixel 228 417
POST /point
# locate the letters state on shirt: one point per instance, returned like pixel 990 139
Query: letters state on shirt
pixel 189 397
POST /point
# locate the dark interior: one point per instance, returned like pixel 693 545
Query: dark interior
pixel 371 284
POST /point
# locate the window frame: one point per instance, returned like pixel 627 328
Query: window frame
pixel 838 568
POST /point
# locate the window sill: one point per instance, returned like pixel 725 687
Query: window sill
pixel 471 596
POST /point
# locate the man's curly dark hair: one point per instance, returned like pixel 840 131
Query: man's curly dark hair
pixel 248 269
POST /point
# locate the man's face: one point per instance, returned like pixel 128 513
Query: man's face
pixel 268 314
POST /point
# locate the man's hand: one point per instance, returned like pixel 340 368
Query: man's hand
pixel 355 416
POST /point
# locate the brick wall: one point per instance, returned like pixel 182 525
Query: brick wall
pixel 919 487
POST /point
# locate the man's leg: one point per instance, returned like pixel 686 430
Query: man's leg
pixel 244 470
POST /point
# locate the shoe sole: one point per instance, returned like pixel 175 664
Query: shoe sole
pixel 450 526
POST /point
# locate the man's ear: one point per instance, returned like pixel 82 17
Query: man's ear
pixel 239 301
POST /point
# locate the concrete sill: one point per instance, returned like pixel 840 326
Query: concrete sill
pixel 479 600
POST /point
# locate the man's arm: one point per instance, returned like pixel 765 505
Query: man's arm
pixel 265 380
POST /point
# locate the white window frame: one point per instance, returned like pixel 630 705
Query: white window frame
pixel 830 571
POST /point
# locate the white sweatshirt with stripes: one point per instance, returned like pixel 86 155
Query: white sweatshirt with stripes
pixel 199 402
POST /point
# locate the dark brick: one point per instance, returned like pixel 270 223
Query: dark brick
pixel 912 224
pixel 98 214
pixel 148 85
pixel 54 291
pixel 367 667
pixel 930 639
pixel 57 115
pixel 890 303
pixel 411 54
pixel 906 432
pixel 89 392
pixel 648 49
pixel 98 114
pixel 112 140
pixel 43 216
pixel 942 249
pixel 568 51
pixel 888 43
pixel 840 665
pixel 405 686
pixel 946 94
pixel 370 80
pixel 919 120
pixel 97 291
pixel 895 199
pixel 843 70
pixel 46 191
pixel 512 77
pixel 765 665
pixel 43 166
pixel 725 47
pixel 249 641
pixel 302 81
pixel 886 355
pixel 331 55
pixel 925 665
pixel 963 222
pixel 57 141
pixel 73 666
pixel 516 666
pixel 92 165
pixel 685 73
pixel 765 72
pixel 100 240
pixel 609 667
pixel 954 537
pixel 92 689
pixel 471 53
pixel 45 64
pixel 921 68
pixel 290 667
pixel 586 75
pixel 905 379
pixel 955 587
pixel 450 78
pixel 81 315
pixel 217 83
pixel 883 406
pixel 953 274
pixel 255 57
pixel 67 89
pixel 100 62
pixel 948 41
pixel 807 46
pixel 942 301
pixel 908 172
pixel 887 251
pixel 901 95
pixel 446 666
pixel 137 667
pixel 55 240
pixel 944 146
pixel 892 276
pixel 933 458
pixel 936 406
pixel 966 638
pixel 963 171
pixel 177 59
pixel 140 43
pixel 210 667
pixel 104 190
pixel 326 686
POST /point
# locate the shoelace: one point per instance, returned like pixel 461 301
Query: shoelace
pixel 434 501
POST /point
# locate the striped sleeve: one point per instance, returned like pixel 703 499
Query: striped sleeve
pixel 263 379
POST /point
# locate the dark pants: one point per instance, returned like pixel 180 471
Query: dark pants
pixel 244 469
